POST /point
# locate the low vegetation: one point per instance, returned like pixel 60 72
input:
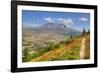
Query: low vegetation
pixel 64 50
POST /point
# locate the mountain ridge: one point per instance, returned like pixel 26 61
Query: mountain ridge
pixel 55 27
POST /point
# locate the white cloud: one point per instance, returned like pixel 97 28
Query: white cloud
pixel 60 19
pixel 83 19
pixel 49 19
pixel 66 22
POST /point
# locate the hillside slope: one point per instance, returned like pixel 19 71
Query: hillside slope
pixel 68 50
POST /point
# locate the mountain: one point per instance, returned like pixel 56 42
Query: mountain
pixel 58 27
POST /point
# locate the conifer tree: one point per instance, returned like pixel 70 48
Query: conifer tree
pixel 84 32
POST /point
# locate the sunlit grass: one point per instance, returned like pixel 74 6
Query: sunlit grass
pixel 68 50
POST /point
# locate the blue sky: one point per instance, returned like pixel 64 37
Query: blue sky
pixel 74 20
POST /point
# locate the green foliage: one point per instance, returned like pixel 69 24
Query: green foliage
pixel 40 51
pixel 71 36
pixel 25 55
pixel 84 32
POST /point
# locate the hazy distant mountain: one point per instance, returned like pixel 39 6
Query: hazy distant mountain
pixel 54 27
pixel 58 27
